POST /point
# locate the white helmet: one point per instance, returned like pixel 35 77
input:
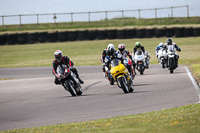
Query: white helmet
pixel 58 55
pixel 161 44
pixel 110 45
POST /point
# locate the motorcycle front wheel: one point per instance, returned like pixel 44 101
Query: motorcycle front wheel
pixel 123 85
pixel 71 88
pixel 171 67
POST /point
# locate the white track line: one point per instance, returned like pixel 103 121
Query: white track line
pixel 193 82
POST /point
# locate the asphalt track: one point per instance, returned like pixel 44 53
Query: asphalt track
pixel 31 99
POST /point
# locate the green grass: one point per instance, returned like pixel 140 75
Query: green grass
pixel 118 22
pixel 182 119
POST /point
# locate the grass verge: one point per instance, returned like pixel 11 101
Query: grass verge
pixel 181 119
pixel 118 22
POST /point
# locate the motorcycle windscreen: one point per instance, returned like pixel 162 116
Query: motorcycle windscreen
pixel 61 69
pixel 115 62
pixel 139 52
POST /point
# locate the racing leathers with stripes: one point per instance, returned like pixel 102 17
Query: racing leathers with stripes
pixel 69 64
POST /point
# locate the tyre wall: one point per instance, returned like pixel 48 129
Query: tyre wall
pixel 101 34
pixel 3 39
pixel 63 36
pixel 42 37
pixel 32 37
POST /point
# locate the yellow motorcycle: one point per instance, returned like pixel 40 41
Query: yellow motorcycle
pixel 121 75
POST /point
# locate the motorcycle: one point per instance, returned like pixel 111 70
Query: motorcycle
pixel 69 80
pixel 147 58
pixel 171 58
pixel 162 57
pixel 139 59
pixel 121 75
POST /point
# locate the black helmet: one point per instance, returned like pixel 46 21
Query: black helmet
pixel 169 41
pixel 110 51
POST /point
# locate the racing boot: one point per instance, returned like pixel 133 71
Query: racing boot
pixel 81 81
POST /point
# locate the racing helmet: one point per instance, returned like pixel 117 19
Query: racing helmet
pixel 58 55
pixel 138 44
pixel 169 41
pixel 121 47
pixel 161 44
pixel 110 45
pixel 110 51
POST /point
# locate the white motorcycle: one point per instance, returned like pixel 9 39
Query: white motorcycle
pixel 162 57
pixel 139 59
pixel 171 58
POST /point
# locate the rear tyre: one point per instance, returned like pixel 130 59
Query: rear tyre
pixel 123 85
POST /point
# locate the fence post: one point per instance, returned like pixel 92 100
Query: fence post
pixel 89 17
pixel 2 20
pixel 172 12
pixel 187 11
pixel 20 20
pixel 72 17
pixel 106 15
pixel 122 15
pixel 155 13
pixel 37 18
pixel 139 13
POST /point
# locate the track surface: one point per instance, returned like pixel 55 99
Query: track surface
pixel 32 99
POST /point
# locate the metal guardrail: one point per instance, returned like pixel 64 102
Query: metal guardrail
pixel 122 16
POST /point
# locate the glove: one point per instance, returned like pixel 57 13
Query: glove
pixel 179 50
pixel 57 76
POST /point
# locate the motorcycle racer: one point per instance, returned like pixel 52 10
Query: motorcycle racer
pixel 104 54
pixel 60 59
pixel 160 46
pixel 111 54
pixel 169 42
pixel 124 53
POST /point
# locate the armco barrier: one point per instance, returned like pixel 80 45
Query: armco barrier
pixel 102 34
pixel 188 32
pixel 12 38
pixel 82 35
pixel 196 31
pixel 63 36
pixel 73 35
pixel 127 33
pixel 42 37
pixel 32 37
pixel 169 32
pixel 140 33
pixel 130 33
pixel 150 33
pixel 92 34
pixel 121 34
pixel 53 36
pixel 22 38
pixel 179 32
pixel 3 39
pixel 160 32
